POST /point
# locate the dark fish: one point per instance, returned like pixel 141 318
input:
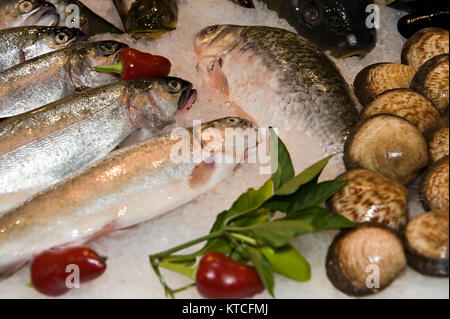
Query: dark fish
pixel 89 22
pixel 422 14
pixel 245 3
pixel 148 18
pixel 17 13
pixel 335 25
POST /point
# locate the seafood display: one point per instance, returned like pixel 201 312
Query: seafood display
pixel 148 19
pixel 105 197
pixel 43 147
pixel 338 26
pixel 23 43
pixel 315 162
pixel 318 100
pixel 55 75
pixel 17 13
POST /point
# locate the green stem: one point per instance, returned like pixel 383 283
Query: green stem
pixel 243 238
pixel 186 271
pixel 116 68
pixel 186 245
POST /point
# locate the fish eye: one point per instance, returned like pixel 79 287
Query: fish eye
pixel 25 6
pixel 232 121
pixel 61 38
pixel 211 29
pixel 311 14
pixel 108 48
pixel 174 86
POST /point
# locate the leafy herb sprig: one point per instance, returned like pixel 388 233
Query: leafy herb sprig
pixel 250 232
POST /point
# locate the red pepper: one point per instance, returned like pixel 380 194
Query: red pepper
pixel 134 64
pixel 220 277
pixel 50 271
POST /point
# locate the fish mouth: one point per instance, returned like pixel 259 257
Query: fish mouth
pixel 47 16
pixel 149 34
pixel 187 99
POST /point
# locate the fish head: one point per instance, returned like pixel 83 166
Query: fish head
pixel 217 40
pixel 336 25
pixel 151 19
pixel 87 55
pixel 50 39
pixel 155 103
pixel 15 13
pixel 233 137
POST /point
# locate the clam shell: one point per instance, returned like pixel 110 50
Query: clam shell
pixel 435 185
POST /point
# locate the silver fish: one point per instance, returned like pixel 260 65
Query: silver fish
pixel 43 147
pixel 53 76
pixel 129 187
pixel 15 13
pixel 23 43
pixel 291 84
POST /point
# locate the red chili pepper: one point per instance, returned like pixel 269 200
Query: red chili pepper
pixel 134 64
pixel 220 277
pixel 49 270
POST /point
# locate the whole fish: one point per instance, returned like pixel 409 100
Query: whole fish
pixel 53 76
pixel 16 13
pixel 148 18
pixel 335 25
pixel 422 14
pixel 129 187
pixel 291 84
pixel 23 43
pixel 43 147
pixel 89 22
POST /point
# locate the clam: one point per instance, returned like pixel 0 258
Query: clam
pixel 388 145
pixel 427 245
pixel 434 188
pixel 369 197
pixel 438 141
pixel 407 104
pixel 365 260
pixel 424 45
pixel 432 81
pixel 381 77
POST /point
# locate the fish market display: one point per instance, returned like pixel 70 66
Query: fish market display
pixel 107 195
pixel 43 147
pixel 89 22
pixel 23 43
pixel 16 13
pixel 422 14
pixel 336 25
pixel 55 75
pixel 305 92
pixel 148 18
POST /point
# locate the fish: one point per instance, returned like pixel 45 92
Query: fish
pixel 291 84
pixel 16 13
pixel 245 3
pixel 41 148
pixel 421 14
pixel 148 18
pixel 23 43
pixel 89 22
pixel 130 186
pixel 55 75
pixel 335 25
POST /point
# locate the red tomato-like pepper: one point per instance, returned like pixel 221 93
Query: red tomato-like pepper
pixel 49 270
pixel 220 277
pixel 134 64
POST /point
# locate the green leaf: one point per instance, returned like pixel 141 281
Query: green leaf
pixel 279 232
pixel 255 217
pixel 312 195
pixel 263 268
pixel 303 178
pixel 320 219
pixel 282 163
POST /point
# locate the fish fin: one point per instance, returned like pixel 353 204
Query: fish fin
pixel 201 174
pixel 218 82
